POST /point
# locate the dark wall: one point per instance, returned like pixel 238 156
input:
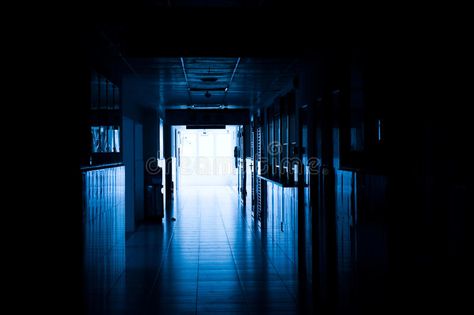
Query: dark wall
pixel 429 179
pixel 352 188
pixel 103 233
pixel 412 185
pixel 151 130
pixel 141 143
pixel 386 205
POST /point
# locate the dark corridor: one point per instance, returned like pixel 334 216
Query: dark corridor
pixel 351 191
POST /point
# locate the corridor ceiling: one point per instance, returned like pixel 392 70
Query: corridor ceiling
pixel 215 82
pixel 200 54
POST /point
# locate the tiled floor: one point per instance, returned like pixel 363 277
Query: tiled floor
pixel 209 261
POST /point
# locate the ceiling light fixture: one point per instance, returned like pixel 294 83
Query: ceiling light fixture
pixel 211 79
pixel 207 106
pixel 203 89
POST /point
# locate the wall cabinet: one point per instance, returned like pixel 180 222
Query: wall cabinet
pixel 105 121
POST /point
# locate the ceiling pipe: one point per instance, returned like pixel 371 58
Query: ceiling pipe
pixel 231 78
pixel 186 77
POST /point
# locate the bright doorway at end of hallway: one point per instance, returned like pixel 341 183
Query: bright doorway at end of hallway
pixel 205 157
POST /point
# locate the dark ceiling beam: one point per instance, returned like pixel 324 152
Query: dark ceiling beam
pixel 207 117
pixel 203 89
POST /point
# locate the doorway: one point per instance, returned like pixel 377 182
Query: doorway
pixel 204 157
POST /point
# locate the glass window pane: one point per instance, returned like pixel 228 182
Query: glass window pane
pixel 189 144
pixel 206 145
pixel 224 145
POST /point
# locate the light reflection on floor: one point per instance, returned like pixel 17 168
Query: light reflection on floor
pixel 210 260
